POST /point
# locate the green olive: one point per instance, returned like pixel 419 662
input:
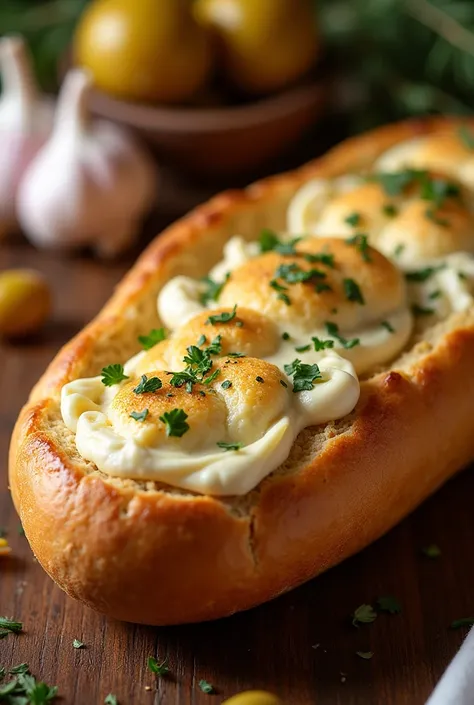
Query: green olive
pixel 25 302
pixel 253 697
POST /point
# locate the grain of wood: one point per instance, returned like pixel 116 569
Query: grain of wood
pixel 272 647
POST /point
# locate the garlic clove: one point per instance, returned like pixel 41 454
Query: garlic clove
pixel 90 184
pixel 25 121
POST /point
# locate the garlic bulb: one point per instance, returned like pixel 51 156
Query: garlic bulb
pixel 89 185
pixel 25 122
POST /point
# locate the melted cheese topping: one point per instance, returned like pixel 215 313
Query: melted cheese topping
pixel 90 410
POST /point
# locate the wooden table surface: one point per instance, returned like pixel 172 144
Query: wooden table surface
pixel 301 646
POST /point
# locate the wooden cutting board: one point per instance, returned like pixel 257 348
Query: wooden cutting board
pixel 302 646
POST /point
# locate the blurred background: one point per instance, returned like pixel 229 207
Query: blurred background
pixel 118 116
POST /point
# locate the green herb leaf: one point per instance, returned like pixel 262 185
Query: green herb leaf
pixel 111 699
pixel 212 377
pixel 322 344
pixel 303 348
pixel 175 422
pixel 353 219
pixel 304 376
pixel 226 384
pixel 206 687
pixel 214 289
pixel 229 446
pixel 78 644
pixel 146 385
pixel 333 330
pixel 9 625
pixel 421 275
pixel 281 291
pixel 113 374
pixel 21 531
pixel 388 326
pixel 352 291
pixel 421 310
pixel 199 360
pixel 398 250
pixel 235 354
pixel 434 294
pixel 366 655
pixel 293 274
pixel 361 242
pixel 431 551
pixel 160 669
pixel 155 336
pixel 466 137
pixel 389 604
pixel 215 348
pixel 462 276
pixel 224 317
pixel 364 614
pixel 21 668
pixel 390 210
pixel 394 183
pixel 139 415
pixel 463 622
pixel 268 240
pixel 286 336
pixel 322 257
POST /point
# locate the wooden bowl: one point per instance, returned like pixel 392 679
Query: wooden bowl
pixel 220 140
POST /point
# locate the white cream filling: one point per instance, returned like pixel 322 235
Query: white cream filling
pixel 84 405
pixel 305 207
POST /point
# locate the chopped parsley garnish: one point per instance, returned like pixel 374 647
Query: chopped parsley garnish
pixel 286 336
pixel 24 688
pixel 466 137
pixel 352 291
pixel 147 385
pixel 333 330
pixel 434 294
pixel 139 415
pixel 432 188
pixel 113 374
pixel 353 219
pixel 201 340
pixel 304 376
pixel 361 242
pixel 215 348
pixel 321 286
pixel 213 290
pixel 206 687
pixel 283 383
pixel 303 348
pixel 21 530
pixel 421 310
pixel 462 276
pixel 421 275
pixel 160 669
pixel 322 344
pixel 366 655
pixel 394 183
pixel 175 422
pixel 156 335
pixel 269 241
pixel 364 614
pixel 431 551
pixel 226 384
pixel 399 249
pixel 389 604
pixel 8 626
pixel 199 360
pixel 212 377
pixel 235 354
pixel 78 644
pixel 463 622
pixel 293 274
pixel 110 699
pixel 432 215
pixel 390 210
pixel 322 257
pixel 229 446
pixel 388 326
pixel 281 295
pixel 259 379
pixel 224 317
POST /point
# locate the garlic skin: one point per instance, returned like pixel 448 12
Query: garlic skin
pixel 89 185
pixel 26 120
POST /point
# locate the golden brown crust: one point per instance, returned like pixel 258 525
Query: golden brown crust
pixel 145 553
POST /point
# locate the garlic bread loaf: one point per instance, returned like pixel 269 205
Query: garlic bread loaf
pixel 284 374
